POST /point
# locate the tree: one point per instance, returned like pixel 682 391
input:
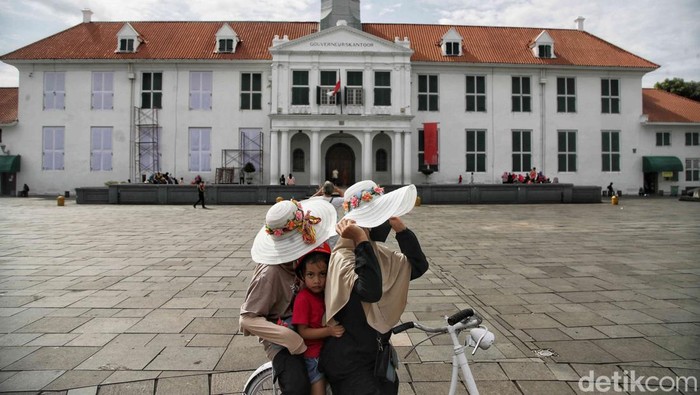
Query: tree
pixel 689 89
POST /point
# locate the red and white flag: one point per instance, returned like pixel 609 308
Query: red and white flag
pixel 335 90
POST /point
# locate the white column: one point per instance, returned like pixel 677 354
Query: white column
pixel 367 155
pixel 407 165
pixel 274 158
pixel 367 89
pixel 315 153
pixel 396 158
pixel 284 153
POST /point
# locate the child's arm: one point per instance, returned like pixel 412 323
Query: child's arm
pixel 320 333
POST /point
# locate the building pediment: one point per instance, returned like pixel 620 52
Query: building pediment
pixel 341 39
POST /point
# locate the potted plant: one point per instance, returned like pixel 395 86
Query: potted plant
pixel 249 169
pixel 427 171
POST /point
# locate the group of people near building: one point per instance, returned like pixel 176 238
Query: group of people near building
pixel 531 177
pixel 163 178
pixel 324 312
pixel 289 180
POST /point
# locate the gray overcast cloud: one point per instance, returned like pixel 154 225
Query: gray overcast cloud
pixel 664 32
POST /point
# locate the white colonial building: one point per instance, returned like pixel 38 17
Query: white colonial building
pixel 117 101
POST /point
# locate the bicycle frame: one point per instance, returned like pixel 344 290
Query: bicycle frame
pixel 479 337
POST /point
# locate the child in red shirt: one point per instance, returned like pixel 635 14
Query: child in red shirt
pixel 309 308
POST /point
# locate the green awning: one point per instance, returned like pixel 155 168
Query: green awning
pixel 657 164
pixel 9 163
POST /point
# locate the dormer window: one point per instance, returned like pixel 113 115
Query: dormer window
pixel 127 39
pixel 452 48
pixel 225 45
pixel 543 46
pixel 226 39
pixel 451 43
pixel 126 45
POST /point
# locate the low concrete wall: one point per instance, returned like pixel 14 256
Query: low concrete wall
pixel 507 193
pixel 267 194
pixel 92 195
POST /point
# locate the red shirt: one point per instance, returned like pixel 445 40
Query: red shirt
pixel 308 310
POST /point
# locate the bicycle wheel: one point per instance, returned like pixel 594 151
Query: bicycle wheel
pixel 262 384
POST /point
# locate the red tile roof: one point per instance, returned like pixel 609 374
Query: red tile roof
pixel 196 40
pixel 510 45
pixel 162 40
pixel 662 106
pixel 8 105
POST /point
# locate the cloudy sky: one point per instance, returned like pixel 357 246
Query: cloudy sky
pixel 664 32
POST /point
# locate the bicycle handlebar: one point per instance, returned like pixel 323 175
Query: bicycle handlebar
pixel 402 327
pixel 453 320
pixel 459 316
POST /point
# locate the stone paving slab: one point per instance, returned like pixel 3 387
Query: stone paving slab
pixel 84 293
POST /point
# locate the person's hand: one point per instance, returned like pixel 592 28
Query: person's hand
pixel 336 330
pixel 347 229
pixel 397 224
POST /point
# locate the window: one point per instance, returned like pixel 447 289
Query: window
pixel 476 93
pixel 692 169
pixel 421 151
pixel 544 51
pixel 200 90
pixel 476 150
pixel 452 48
pixel 298 160
pixel 610 96
pixel 353 88
pixel 251 91
pixel 520 98
pixel 428 93
pixel 126 45
pixel 663 139
pixel 522 151
pixel 691 138
pixel 100 149
pixel 324 93
pixel 611 150
pixel 300 87
pixel 152 90
pixel 53 148
pixel 566 94
pixel 102 90
pixel 381 160
pixel 382 88
pixel 54 90
pixel 566 142
pixel 225 45
pixel 200 149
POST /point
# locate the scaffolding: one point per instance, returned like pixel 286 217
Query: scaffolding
pixel 233 160
pixel 147 155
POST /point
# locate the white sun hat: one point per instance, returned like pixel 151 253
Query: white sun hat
pixel 367 204
pixel 292 229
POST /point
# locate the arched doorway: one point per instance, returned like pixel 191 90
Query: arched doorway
pixel 341 157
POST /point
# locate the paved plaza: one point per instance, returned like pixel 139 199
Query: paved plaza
pixel 107 299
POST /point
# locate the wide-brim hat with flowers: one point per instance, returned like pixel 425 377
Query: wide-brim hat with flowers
pixel 367 204
pixel 292 229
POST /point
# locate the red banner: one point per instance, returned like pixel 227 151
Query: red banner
pixel 430 143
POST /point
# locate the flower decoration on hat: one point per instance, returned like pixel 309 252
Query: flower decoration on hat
pixel 300 222
pixel 364 196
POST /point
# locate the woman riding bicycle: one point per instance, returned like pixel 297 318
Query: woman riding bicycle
pixel 292 229
pixel 367 298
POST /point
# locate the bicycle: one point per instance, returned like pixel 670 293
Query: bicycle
pixel 479 338
pixel 262 382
